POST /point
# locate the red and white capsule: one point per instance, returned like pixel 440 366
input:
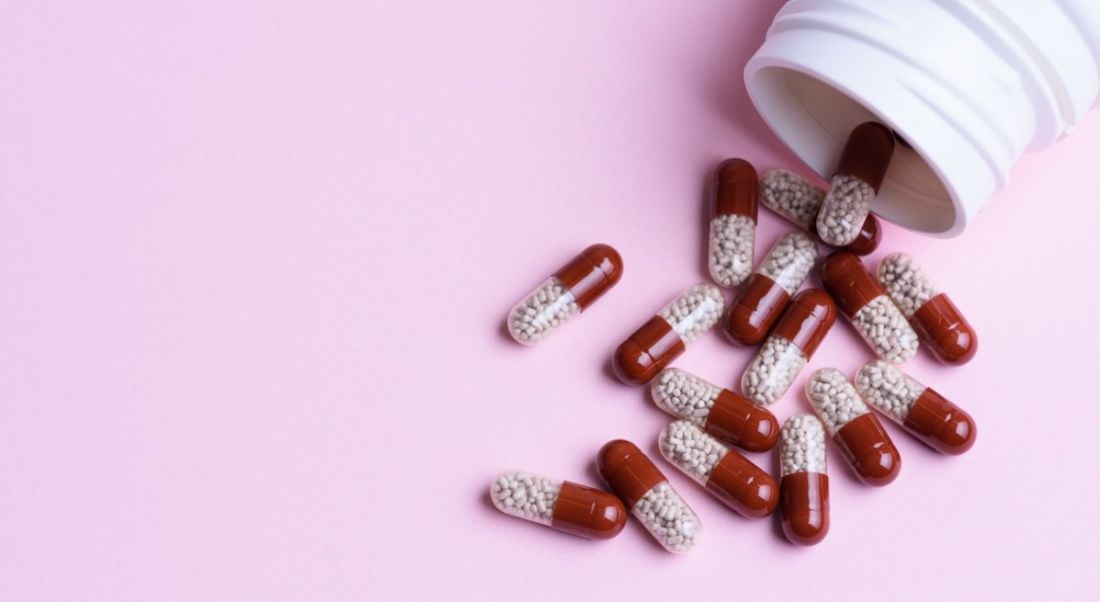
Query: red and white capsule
pixel 804 481
pixel 731 477
pixel 733 227
pixel 778 277
pixel 921 411
pixel 856 431
pixel 568 292
pixel 940 325
pixel 561 505
pixel 721 412
pixel 791 345
pixel 858 177
pixel 665 336
pixel 648 495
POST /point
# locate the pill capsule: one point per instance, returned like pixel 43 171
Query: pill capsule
pixel 858 177
pixel 804 481
pixel 857 432
pixel 797 200
pixel 731 477
pixel 733 227
pixel 560 505
pixel 867 306
pixel 648 495
pixel 565 294
pixel 760 302
pixel 664 337
pixel 721 412
pixel 921 411
pixel 790 346
pixel 940 325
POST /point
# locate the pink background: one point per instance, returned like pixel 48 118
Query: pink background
pixel 256 262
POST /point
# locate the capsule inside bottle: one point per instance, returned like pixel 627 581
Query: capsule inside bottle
pixel 921 411
pixel 567 292
pixel 722 413
pixel 664 337
pixel 561 505
pixel 795 199
pixel 856 182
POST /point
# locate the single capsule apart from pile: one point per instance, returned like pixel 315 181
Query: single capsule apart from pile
pixel 648 495
pixel 940 325
pixel 731 477
pixel 798 201
pixel 560 505
pixel 858 177
pixel 921 411
pixel 721 412
pixel 778 277
pixel 791 345
pixel 665 336
pixel 733 227
pixel 870 310
pixel 565 294
pixel 857 432
pixel 804 480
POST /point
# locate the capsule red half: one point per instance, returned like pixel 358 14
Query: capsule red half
pixel 724 414
pixel 940 325
pixel 569 291
pixel 729 476
pixel 921 411
pixel 665 336
pixel 768 291
pixel 561 505
pixel 804 486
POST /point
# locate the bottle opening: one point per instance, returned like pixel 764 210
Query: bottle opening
pixel 814 119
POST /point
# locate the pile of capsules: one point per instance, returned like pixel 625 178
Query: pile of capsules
pixel 894 313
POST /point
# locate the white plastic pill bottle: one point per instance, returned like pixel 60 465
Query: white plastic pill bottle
pixel 968 85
